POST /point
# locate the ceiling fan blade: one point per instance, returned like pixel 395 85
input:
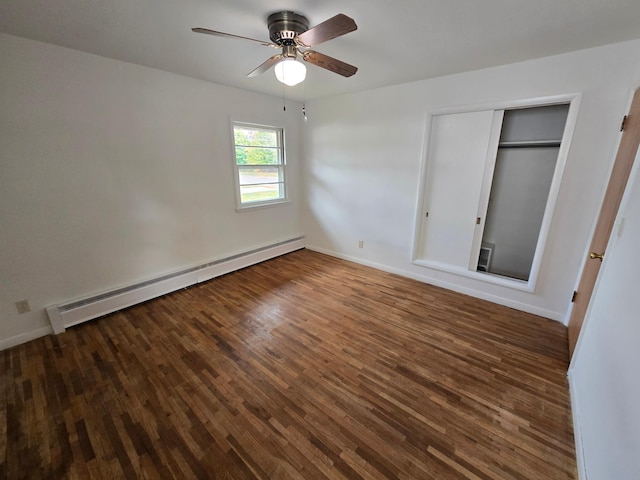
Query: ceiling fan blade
pixel 230 35
pixel 332 28
pixel 330 63
pixel 270 62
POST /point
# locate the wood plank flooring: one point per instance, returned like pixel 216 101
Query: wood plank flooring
pixel 302 367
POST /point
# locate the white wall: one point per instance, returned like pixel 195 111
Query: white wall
pixel 605 385
pixel 112 173
pixel 363 155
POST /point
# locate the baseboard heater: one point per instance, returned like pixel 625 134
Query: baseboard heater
pixel 69 314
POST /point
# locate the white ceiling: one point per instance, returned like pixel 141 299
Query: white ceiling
pixel 396 41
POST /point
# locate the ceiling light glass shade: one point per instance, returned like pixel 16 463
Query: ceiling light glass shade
pixel 290 71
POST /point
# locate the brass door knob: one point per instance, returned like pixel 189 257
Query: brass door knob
pixel 595 255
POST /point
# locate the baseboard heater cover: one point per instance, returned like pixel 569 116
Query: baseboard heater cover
pixel 69 314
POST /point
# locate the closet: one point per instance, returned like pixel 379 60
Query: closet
pixel 490 180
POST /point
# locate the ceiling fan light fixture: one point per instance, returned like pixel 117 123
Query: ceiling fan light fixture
pixel 290 71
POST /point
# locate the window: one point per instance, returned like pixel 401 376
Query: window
pixel 259 164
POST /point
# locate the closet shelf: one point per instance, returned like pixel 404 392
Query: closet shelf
pixel 530 144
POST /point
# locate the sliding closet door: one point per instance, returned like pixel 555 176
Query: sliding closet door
pixel 458 148
pixel 489 186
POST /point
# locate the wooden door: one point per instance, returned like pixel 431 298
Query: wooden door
pixel 617 182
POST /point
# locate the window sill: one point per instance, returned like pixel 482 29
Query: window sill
pixel 260 205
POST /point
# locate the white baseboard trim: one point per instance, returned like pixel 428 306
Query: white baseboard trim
pixel 577 431
pixel 24 337
pixel 72 313
pixel 524 307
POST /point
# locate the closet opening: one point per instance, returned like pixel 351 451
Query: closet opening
pixel 490 180
pixel 524 168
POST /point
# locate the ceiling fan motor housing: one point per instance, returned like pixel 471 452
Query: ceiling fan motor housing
pixel 284 26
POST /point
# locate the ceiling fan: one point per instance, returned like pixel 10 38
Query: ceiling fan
pixel 290 32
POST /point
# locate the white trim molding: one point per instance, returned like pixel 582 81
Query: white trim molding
pixel 524 307
pixel 72 313
pixel 24 337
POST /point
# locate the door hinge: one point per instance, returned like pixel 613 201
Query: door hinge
pixel 624 123
pixel 573 297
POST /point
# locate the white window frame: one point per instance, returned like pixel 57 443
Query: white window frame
pixel 282 167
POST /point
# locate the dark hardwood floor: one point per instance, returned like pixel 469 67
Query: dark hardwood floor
pixel 304 367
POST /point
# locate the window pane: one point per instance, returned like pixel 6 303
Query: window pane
pixel 259 175
pixel 261 193
pixel 255 137
pixel 257 156
pixel 259 161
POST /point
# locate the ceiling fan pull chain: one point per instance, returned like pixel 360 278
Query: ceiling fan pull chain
pixel 284 99
pixel 304 103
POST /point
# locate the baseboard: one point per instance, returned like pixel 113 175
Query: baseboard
pixel 24 337
pixel 66 315
pixel 577 432
pixel 524 307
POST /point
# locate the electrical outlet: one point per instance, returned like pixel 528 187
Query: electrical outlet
pixel 361 244
pixel 23 306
